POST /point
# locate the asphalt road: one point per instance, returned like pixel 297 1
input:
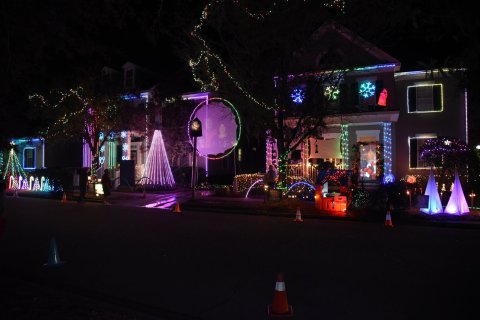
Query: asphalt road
pixel 199 265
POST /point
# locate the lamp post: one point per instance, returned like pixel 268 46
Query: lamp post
pixel 472 196
pixel 195 132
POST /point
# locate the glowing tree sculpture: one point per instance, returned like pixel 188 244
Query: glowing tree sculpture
pixel 434 203
pixel 157 168
pixel 457 204
pixel 13 168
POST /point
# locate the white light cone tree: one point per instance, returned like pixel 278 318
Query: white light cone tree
pixel 434 202
pixel 457 204
pixel 157 168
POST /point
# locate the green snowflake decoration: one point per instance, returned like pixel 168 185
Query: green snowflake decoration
pixel 367 89
pixel 332 93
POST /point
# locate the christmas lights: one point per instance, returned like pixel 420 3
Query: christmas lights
pixel 387 147
pixel 457 204
pixel 157 167
pixel 344 145
pixel 242 182
pixel 13 167
pixel 298 95
pixel 367 89
pixel 332 93
pixel 434 202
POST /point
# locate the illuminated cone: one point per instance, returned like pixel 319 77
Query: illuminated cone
pixel 177 208
pixel 53 258
pixel 298 216
pixel 64 198
pixel 388 220
pixel 280 306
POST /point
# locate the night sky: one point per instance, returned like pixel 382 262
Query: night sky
pixel 55 44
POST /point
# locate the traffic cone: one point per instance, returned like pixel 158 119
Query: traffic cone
pixel 177 208
pixel 298 216
pixel 388 220
pixel 53 258
pixel 280 306
pixel 64 198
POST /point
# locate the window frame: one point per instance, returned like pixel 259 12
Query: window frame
pixel 34 158
pixel 417 137
pixel 433 97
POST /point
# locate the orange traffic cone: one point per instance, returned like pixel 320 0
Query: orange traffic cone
pixel 298 216
pixel 64 198
pixel 177 208
pixel 53 257
pixel 388 220
pixel 280 306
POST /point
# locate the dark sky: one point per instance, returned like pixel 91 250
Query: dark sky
pixel 52 44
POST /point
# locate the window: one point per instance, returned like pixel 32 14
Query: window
pixel 415 144
pixel 425 98
pixel 368 161
pixel 29 158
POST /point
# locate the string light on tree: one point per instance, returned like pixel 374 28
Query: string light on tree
pixel 157 167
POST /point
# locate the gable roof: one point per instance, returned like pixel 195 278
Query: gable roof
pixel 334 47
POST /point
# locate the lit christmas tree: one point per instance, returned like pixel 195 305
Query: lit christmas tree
pixel 13 169
pixel 434 203
pixel 457 204
pixel 157 167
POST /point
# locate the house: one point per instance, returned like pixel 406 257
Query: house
pixel 377 116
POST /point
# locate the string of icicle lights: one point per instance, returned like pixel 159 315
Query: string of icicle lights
pixel 157 167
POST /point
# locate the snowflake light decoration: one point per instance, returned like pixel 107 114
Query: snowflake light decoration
pixel 297 95
pixel 332 92
pixel 367 89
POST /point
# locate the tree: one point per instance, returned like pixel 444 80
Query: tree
pixel 250 51
pixel 84 115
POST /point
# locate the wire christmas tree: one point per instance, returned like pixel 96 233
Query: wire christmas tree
pixel 13 168
pixel 157 168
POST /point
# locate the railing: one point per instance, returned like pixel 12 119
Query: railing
pixel 309 172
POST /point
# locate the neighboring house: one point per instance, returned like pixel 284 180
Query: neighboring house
pixel 30 152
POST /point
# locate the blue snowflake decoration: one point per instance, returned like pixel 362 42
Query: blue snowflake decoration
pixel 367 89
pixel 388 178
pixel 297 95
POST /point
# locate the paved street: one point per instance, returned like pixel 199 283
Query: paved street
pixel 199 265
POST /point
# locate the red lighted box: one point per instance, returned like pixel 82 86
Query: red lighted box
pixel 336 203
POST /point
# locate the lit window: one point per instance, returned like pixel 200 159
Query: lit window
pixel 415 144
pixel 368 161
pixel 425 98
